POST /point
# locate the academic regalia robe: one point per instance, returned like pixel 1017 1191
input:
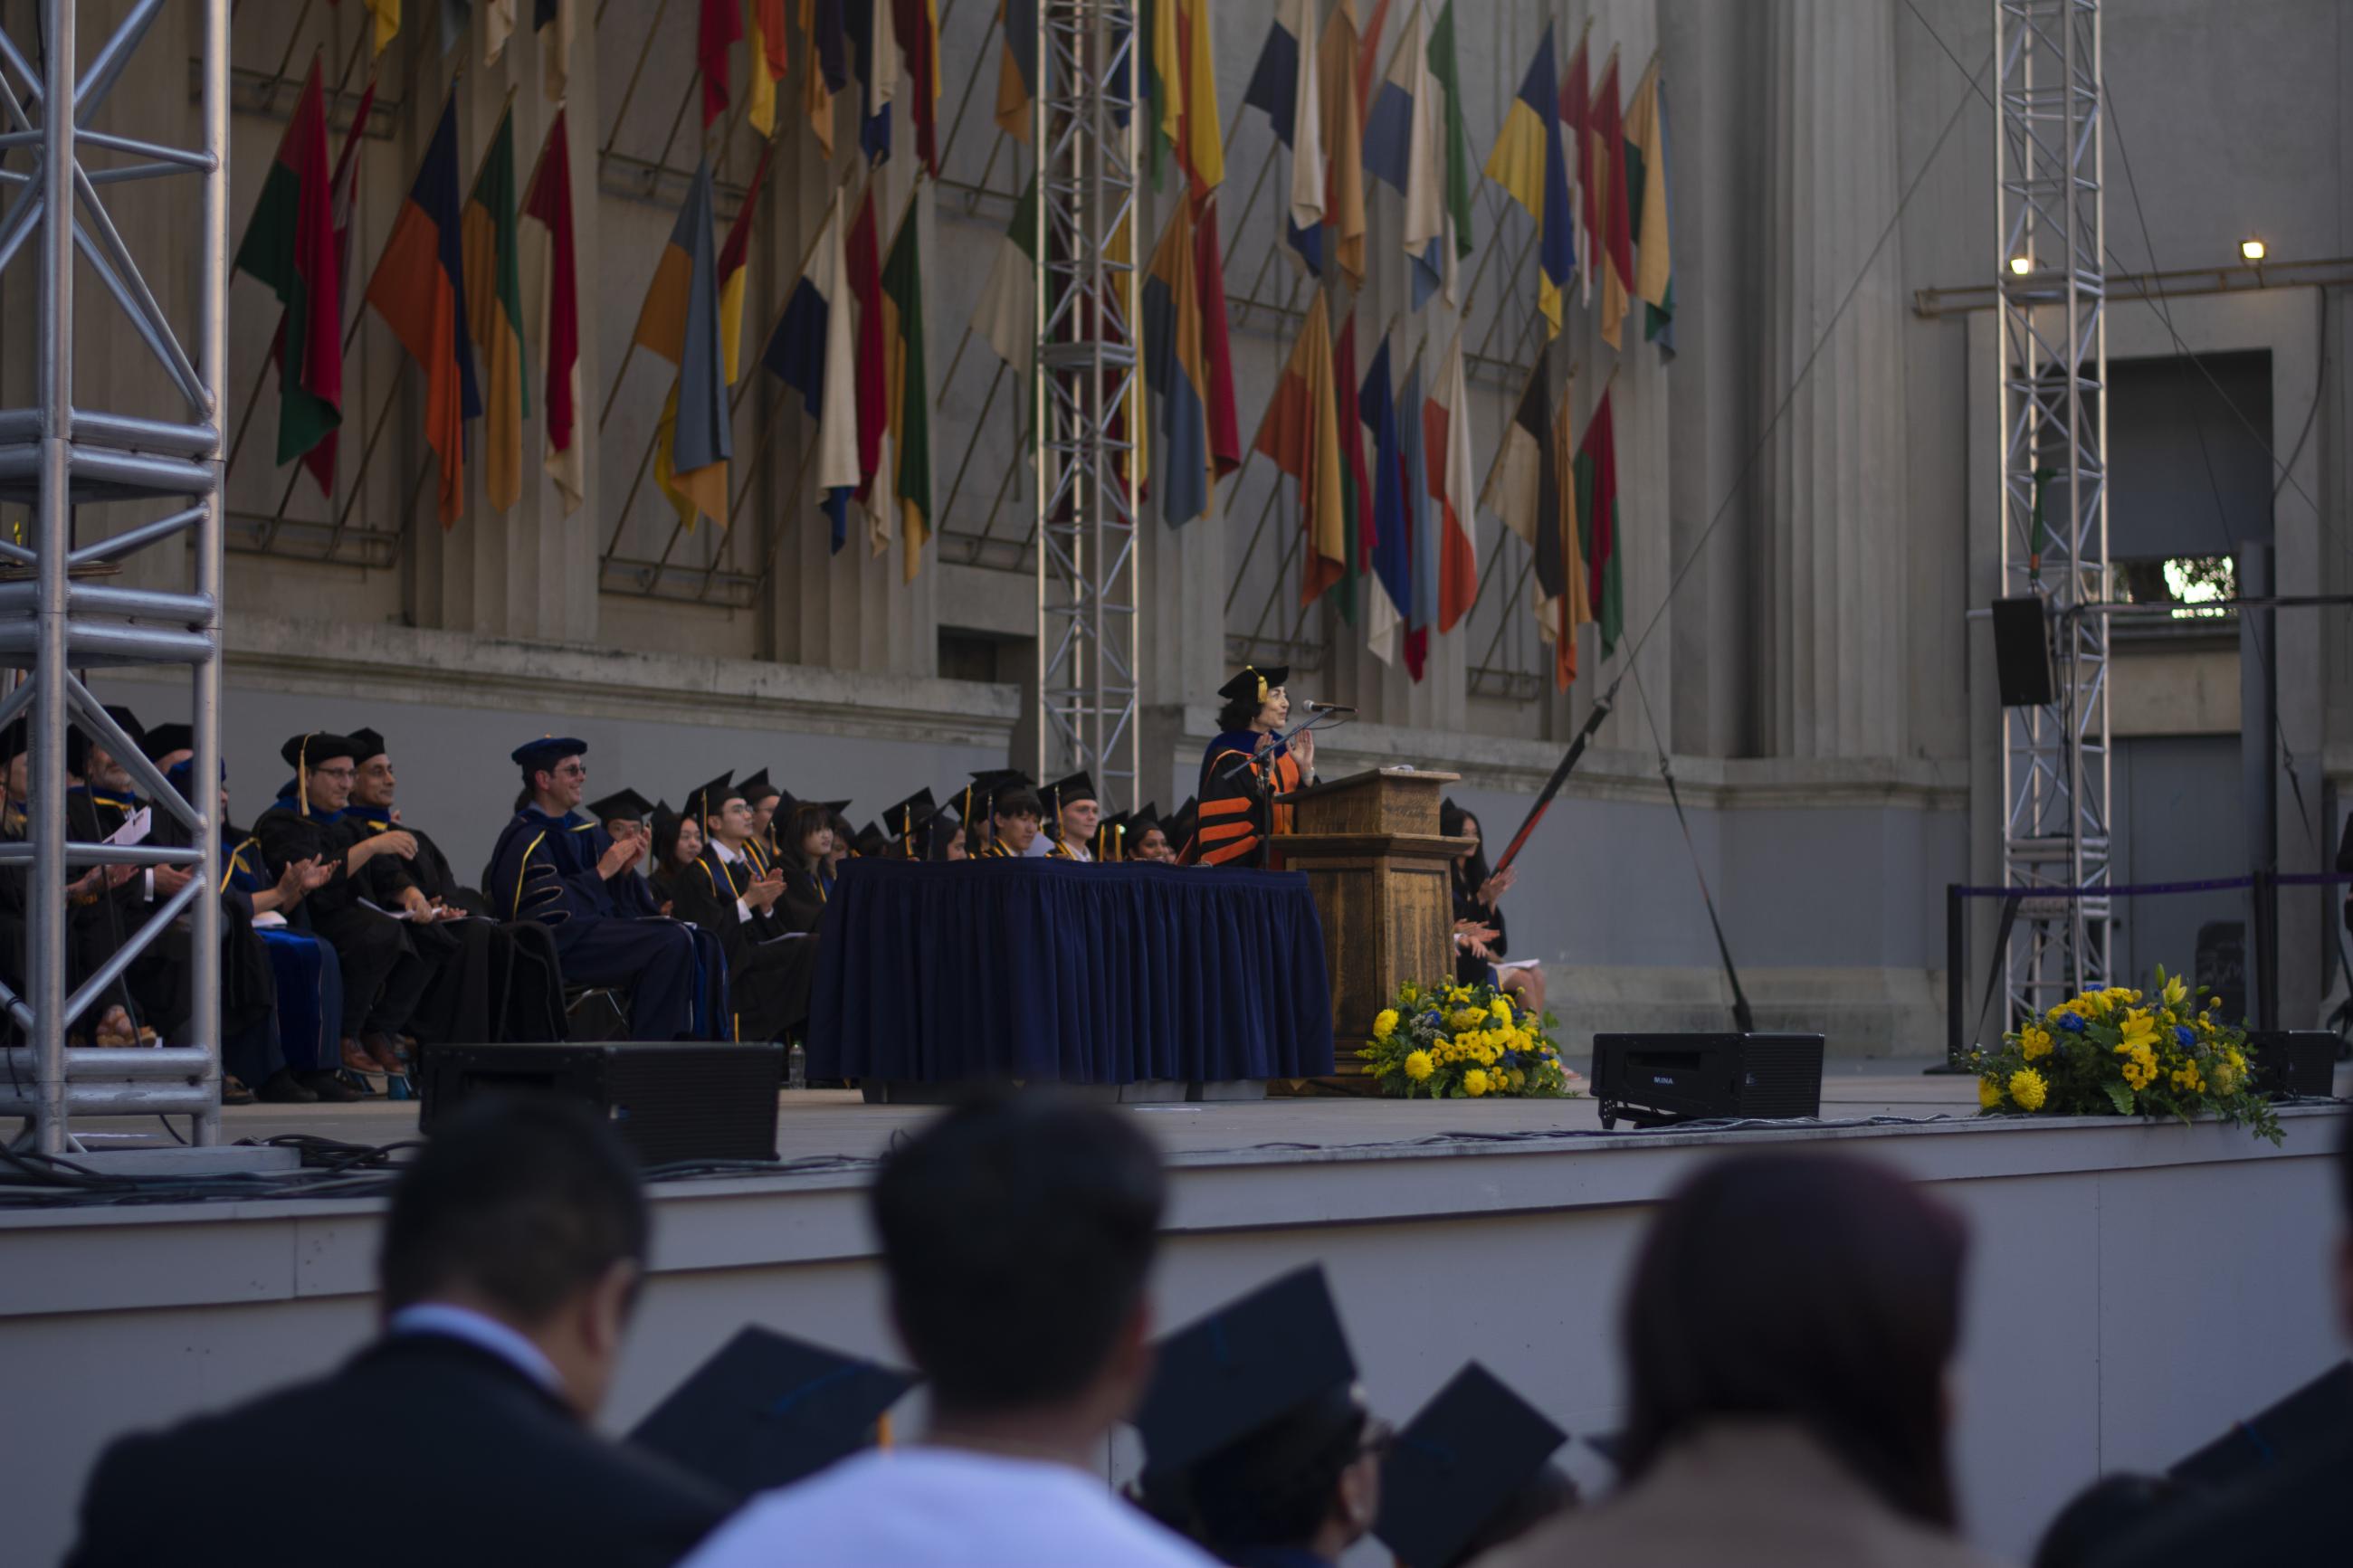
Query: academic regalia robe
pixel 609 931
pixel 769 967
pixel 1238 812
pixel 385 976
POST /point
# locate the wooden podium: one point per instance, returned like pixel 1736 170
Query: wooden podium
pixel 1380 873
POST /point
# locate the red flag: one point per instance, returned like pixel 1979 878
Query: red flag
pixel 1368 49
pixel 1300 432
pixel 774 45
pixel 1576 124
pixel 722 24
pixel 1616 240
pixel 1217 358
pixel 321 459
pixel 549 202
pixel 1352 441
pixel 911 19
pixel 289 243
pixel 864 255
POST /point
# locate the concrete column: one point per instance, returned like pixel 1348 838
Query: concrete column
pixel 1831 671
pixel 530 572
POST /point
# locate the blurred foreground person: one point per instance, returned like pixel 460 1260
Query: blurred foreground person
pixel 1787 1337
pixel 1017 1236
pixel 512 1257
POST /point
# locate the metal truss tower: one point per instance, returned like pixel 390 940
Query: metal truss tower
pixel 1087 448
pixel 58 615
pixel 2049 204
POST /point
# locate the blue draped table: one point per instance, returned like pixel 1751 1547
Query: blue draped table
pixel 1049 970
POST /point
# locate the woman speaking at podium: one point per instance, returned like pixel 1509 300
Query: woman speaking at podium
pixel 1245 768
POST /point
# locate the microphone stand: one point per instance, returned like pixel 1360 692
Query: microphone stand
pixel 1275 744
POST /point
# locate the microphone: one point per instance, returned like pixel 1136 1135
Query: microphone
pixel 1315 707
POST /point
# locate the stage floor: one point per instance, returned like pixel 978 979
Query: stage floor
pixel 838 1122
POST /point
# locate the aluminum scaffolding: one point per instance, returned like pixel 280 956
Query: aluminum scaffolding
pixel 1089 407
pixel 2053 344
pixel 57 618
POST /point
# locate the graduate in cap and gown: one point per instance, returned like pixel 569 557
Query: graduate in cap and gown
pixel 804 857
pixel 766 800
pixel 1073 813
pixel 1142 836
pixel 767 1410
pixel 1013 815
pixel 1471 1471
pixel 769 967
pixel 572 876
pixel 1245 768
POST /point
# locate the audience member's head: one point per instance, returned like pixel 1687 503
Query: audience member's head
pixel 1307 1481
pixel 678 841
pixel 1807 1290
pixel 1017 1234
pixel 530 1212
pixel 842 834
pixel 2102 1514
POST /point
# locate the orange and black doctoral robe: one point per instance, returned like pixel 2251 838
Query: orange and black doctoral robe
pixel 1238 812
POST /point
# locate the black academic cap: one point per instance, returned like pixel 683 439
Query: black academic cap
pixel 1243 1366
pixel 756 788
pixel 164 739
pixel 835 807
pixel 870 840
pixel 628 802
pixel 1143 819
pixel 1251 684
pixel 369 742
pixel 78 744
pixel 769 1410
pixel 2293 1428
pixel 704 799
pixel 1468 1451
pixel 1179 824
pixel 1062 790
pixel 545 752
pixel 309 749
pixel 911 815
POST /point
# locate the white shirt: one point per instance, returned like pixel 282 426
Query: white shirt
pixel 944 1507
pixel 733 858
pixel 482 1333
pixel 1041 847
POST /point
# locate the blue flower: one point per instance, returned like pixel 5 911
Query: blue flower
pixel 1431 1018
pixel 2183 1033
pixel 2071 1023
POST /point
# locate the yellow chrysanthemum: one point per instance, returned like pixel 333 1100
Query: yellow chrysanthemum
pixel 1474 1083
pixel 1418 1066
pixel 1458 994
pixel 1502 1008
pixel 2035 1042
pixel 1408 993
pixel 1385 1024
pixel 1989 1094
pixel 2187 1076
pixel 1516 1079
pixel 2027 1088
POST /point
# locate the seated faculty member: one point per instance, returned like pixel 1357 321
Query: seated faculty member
pixel 511 1258
pixel 1017 1233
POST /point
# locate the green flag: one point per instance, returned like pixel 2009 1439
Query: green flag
pixel 1458 140
pixel 910 395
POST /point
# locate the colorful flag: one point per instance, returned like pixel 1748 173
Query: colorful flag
pixel 419 290
pixel 1217 356
pixel 457 16
pixel 549 204
pixel 385 14
pixel 829 67
pixel 768 56
pixel 878 73
pixel 321 459
pixel 1392 553
pixel 1448 78
pixel 1524 487
pixel 721 24
pixel 497 26
pixel 910 392
pixel 1528 163
pixel 1174 367
pixel 1356 494
pixel 1576 131
pixel 681 322
pixel 918 36
pixel 1300 432
pixel 1597 508
pixel 810 353
pixel 1016 71
pixel 1285 85
pixel 1559 613
pixel 1401 141
pixel 1422 536
pixel 1161 64
pixel 1007 315
pixel 1617 241
pixel 1368 50
pixel 556 48
pixel 494 306
pixel 1446 435
pixel 290 245
pixel 1201 147
pixel 863 255
pixel 1343 140
pixel 734 266
pixel 1646 184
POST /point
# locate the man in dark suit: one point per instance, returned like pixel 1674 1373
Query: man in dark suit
pixel 510 1260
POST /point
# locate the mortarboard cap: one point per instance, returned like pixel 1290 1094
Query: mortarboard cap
pixel 370 744
pixel 533 757
pixel 2297 1424
pixel 756 788
pixel 627 803
pixel 911 815
pixel 1062 792
pixel 837 807
pixel 869 841
pixel 1252 685
pixel 78 744
pixel 164 739
pixel 768 1410
pixel 1143 819
pixel 707 799
pixel 1178 824
pixel 1243 1366
pixel 1464 1456
pixel 308 750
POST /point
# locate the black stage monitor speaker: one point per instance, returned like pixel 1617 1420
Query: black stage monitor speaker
pixel 2291 1062
pixel 684 1100
pixel 2022 652
pixel 1654 1079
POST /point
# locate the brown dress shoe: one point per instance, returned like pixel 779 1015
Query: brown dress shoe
pixel 386 1052
pixel 357 1059
pixel 233 1092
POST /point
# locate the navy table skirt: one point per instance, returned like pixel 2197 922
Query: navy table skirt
pixel 932 972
